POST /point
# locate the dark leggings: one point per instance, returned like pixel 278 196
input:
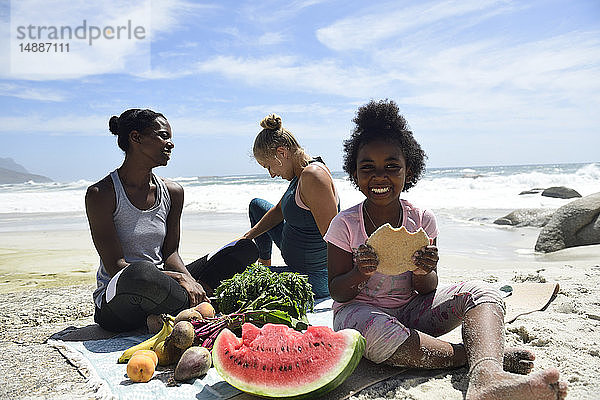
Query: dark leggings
pixel 143 289
pixel 318 279
pixel 257 209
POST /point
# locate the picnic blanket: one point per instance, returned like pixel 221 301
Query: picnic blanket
pixel 94 352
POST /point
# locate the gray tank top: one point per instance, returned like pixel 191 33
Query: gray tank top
pixel 141 232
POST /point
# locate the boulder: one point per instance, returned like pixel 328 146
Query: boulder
pixel 560 192
pixel 537 217
pixel 574 224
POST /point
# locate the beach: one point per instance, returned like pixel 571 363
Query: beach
pixel 47 297
pixel 48 265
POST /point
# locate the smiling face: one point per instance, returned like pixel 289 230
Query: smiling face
pixel 380 171
pixel 157 141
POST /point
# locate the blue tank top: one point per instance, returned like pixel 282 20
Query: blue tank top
pixel 302 245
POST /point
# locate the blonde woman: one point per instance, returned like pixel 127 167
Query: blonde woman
pixel 299 221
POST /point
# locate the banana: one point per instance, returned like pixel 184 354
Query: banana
pixel 149 344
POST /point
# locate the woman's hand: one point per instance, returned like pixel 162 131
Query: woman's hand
pixel 365 260
pixel 195 290
pixel 426 260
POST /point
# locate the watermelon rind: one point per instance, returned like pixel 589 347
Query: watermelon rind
pixel 338 373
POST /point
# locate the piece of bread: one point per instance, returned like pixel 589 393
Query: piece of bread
pixel 395 248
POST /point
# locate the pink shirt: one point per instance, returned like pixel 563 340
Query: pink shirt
pixel 347 231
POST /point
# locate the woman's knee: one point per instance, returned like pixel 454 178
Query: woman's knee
pixel 143 273
pixel 144 281
pixel 257 208
pixel 256 205
pixel 136 266
pixel 140 289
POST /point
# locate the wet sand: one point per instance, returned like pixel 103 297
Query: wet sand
pixel 50 258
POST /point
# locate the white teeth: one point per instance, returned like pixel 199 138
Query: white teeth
pixel 381 190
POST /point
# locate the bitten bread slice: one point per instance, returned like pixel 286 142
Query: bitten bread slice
pixel 395 248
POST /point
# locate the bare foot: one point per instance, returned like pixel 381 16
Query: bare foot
pixel 487 382
pixel 266 263
pixel 518 361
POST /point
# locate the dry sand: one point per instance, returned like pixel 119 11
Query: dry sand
pixel 47 278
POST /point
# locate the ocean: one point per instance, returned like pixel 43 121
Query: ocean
pixel 495 187
pixel 466 200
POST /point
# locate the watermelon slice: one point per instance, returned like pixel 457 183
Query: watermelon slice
pixel 279 362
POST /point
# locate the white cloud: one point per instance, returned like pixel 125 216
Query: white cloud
pixel 167 14
pixel 82 125
pixel 290 73
pixel 125 55
pixel 165 73
pixel 97 125
pixel 30 93
pixel 489 76
pixel 84 57
pixel 307 120
pixel 306 109
pixel 245 40
pixel 270 38
pixel 390 20
pixel 210 125
pixel 267 14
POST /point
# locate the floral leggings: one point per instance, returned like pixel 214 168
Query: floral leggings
pixel 435 314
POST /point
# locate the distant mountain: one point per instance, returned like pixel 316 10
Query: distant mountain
pixel 11 172
pixel 9 163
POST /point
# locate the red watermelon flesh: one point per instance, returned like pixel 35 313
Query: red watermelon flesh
pixel 277 361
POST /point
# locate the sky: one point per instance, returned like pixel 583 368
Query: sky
pixel 481 82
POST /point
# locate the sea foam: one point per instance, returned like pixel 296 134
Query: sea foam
pixel 454 190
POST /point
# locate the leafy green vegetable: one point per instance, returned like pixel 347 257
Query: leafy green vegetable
pixel 260 296
pixel 259 288
pixel 206 330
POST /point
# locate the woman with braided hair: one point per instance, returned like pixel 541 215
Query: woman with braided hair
pixel 297 223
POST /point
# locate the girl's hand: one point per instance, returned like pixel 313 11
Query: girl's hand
pixel 365 260
pixel 426 260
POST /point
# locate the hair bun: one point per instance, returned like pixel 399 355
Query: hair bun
pixel 113 125
pixel 272 122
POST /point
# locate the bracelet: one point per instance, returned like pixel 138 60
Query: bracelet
pixel 476 364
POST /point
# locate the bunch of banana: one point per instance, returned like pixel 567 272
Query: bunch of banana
pixel 150 344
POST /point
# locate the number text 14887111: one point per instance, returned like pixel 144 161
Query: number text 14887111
pixel 44 47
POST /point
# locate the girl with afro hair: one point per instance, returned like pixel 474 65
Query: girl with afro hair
pixel 402 315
